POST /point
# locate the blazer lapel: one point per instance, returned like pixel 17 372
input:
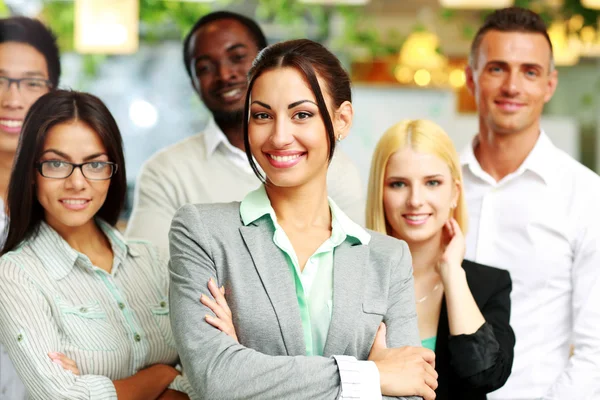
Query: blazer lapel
pixel 349 263
pixel 278 282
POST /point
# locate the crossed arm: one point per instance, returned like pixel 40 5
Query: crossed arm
pixel 219 367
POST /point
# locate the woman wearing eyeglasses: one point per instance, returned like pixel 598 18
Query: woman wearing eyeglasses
pixel 83 313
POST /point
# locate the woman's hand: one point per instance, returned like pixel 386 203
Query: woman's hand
pixel 64 361
pixel 223 320
pixel 404 371
pixel 454 253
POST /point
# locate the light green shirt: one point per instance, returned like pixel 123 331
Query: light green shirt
pixel 314 284
pixel 429 343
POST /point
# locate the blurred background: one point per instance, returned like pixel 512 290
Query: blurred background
pixel 406 58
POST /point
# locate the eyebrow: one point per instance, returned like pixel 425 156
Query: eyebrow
pixel 63 155
pixel 425 177
pixel 229 49
pixel 34 74
pixel 504 63
pixel 290 106
pixel 297 103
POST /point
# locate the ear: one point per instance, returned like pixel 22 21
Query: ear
pixel 552 83
pixel 342 119
pixel 470 79
pixel 456 192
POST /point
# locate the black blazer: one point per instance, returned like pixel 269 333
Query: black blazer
pixel 470 366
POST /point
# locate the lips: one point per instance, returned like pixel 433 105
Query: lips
pixel 231 94
pixel 75 204
pixel 509 106
pixel 287 160
pixel 416 219
pixel 11 125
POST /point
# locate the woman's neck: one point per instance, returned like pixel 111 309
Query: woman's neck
pixel 86 239
pixel 301 206
pixel 425 255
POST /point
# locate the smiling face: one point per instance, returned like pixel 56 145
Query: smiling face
pixel 286 132
pixel 17 60
pixel 418 195
pixel 74 201
pixel 512 81
pixel 222 53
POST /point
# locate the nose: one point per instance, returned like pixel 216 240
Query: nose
pixel 512 83
pixel 11 97
pixel 414 199
pixel 76 181
pixel 226 71
pixel 281 136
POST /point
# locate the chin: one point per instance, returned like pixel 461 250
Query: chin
pixel 416 235
pixel 285 182
pixel 73 221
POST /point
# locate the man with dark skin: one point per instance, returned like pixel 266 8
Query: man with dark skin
pixel 212 167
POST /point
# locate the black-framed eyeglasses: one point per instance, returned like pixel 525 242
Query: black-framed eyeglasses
pixel 25 85
pixel 93 170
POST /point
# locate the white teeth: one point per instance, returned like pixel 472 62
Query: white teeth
pixel 231 93
pixel 284 158
pixel 78 202
pixel 11 123
pixel 416 217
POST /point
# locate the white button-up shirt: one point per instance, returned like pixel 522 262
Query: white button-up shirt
pixel 542 224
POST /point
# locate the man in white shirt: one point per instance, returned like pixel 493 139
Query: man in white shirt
pixel 535 212
pixel 29 68
pixel 212 166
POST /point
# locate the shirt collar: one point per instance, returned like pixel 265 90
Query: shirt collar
pixel 214 137
pixel 256 205
pixel 60 258
pixel 538 161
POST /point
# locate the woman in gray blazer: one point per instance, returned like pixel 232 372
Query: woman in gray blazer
pixel 307 288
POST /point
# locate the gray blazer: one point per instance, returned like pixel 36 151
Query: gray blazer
pixel 372 283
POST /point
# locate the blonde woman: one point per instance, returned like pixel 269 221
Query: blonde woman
pixel 463 308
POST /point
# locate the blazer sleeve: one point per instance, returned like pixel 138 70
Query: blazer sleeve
pixel 218 367
pixel 401 316
pixel 484 359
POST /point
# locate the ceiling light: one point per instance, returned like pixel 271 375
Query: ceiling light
pixel 476 4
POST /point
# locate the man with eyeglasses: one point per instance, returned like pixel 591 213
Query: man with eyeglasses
pixel 212 167
pixel 29 68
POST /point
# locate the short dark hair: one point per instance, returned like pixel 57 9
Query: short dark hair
pixel 257 34
pixel 58 107
pixel 511 19
pixel 311 59
pixel 36 34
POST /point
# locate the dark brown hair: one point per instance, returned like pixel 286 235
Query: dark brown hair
pixel 512 19
pixel 58 107
pixel 34 33
pixel 310 59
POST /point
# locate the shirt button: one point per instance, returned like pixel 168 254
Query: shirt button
pixel 163 304
pixel 83 309
pixel 121 305
pixel 137 337
pixel 19 338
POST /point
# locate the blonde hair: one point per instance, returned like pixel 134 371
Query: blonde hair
pixel 422 136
